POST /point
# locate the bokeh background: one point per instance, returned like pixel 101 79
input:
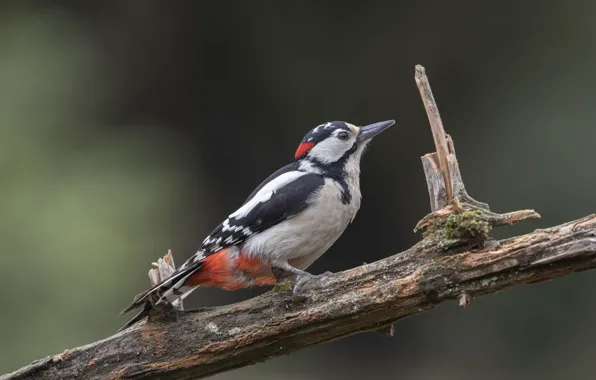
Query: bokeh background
pixel 131 127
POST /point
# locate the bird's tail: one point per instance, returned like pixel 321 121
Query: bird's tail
pixel 169 290
pixel 140 316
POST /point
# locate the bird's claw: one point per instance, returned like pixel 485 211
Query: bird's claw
pixel 302 279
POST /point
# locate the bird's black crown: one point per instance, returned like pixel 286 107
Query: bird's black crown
pixel 323 131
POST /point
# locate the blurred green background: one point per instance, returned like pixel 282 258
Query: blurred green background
pixel 131 127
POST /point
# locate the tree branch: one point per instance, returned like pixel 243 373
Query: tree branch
pixel 200 344
pixel 456 260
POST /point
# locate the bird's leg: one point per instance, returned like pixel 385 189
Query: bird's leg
pixel 282 270
pixel 280 274
pixel 284 279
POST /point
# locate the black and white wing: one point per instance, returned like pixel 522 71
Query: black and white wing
pixel 275 200
pixel 284 194
pixel 288 168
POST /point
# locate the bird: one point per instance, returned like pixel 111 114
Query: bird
pixel 290 220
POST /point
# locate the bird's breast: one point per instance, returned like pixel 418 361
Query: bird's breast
pixel 304 237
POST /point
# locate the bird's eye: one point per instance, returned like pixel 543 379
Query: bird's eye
pixel 343 135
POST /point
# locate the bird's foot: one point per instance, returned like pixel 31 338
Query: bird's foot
pixel 303 278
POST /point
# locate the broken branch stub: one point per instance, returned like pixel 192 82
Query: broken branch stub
pixel 164 268
pixel 437 185
pixel 436 127
pixel 456 218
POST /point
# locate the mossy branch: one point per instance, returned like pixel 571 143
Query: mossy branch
pixel 366 298
pixel 456 219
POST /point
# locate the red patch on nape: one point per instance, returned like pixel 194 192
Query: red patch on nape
pixel 303 149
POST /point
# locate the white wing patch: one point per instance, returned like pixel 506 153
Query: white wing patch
pixel 265 193
pixel 232 228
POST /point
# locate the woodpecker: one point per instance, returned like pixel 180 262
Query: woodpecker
pixel 284 225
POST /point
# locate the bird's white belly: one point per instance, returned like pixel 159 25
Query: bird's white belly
pixel 303 238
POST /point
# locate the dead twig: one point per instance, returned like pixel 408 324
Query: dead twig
pixel 436 126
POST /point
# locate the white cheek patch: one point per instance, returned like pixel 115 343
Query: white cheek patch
pixel 330 150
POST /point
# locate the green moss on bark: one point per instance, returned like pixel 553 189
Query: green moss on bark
pixel 283 287
pixel 459 229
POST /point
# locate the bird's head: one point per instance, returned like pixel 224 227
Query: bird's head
pixel 333 144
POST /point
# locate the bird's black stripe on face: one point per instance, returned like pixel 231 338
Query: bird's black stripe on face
pixel 336 171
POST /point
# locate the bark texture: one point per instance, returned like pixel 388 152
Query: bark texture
pixel 200 344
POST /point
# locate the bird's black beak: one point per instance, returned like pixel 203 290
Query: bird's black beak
pixel 367 132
